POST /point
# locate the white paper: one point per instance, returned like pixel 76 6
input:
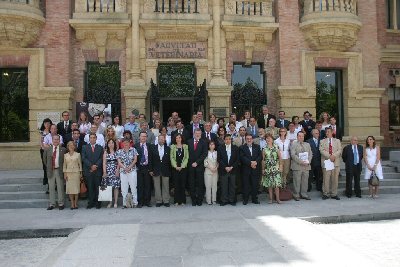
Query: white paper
pixel 329 165
pixel 304 157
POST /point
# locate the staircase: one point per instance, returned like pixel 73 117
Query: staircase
pixel 389 185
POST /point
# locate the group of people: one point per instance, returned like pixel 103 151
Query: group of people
pixel 212 159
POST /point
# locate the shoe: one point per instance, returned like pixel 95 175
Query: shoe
pixel 233 203
pixel 158 205
pixel 336 197
pixel 149 205
pixel 72 208
pixel 50 208
pixel 200 203
pixel 348 196
pixel 256 202
pixel 75 208
pixel 359 196
pixel 270 202
pixel 176 204
pixel 115 206
pixel 244 202
pixel 139 206
pixel 124 207
pixel 89 207
pixel 61 207
pixel 296 198
pixel 324 197
pixel 47 192
pixel 193 204
pixel 222 204
pixel 109 206
pixel 307 197
pixel 166 205
pixel 98 206
pixel 280 202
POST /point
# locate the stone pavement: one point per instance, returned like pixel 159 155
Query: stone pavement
pixel 252 235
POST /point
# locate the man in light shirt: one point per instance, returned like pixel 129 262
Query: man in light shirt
pixel 131 125
pixel 100 138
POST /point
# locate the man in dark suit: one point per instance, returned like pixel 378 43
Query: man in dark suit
pixel 53 159
pixel 337 131
pixel 208 135
pixel 228 160
pixel 64 126
pixel 181 130
pixel 316 169
pixel 155 116
pixel 194 125
pixel 160 170
pixel 78 139
pixel 250 157
pixel 143 173
pixel 253 128
pixel 281 122
pixel 308 124
pixel 197 153
pixel 263 120
pixel 352 155
pixel 92 158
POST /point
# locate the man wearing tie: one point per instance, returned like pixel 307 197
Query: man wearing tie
pixel 194 125
pixel 352 157
pixel 143 173
pixel 301 155
pixel 246 121
pixel 316 170
pixel 160 170
pixel 198 151
pixel 250 157
pixel 180 129
pixel 208 135
pixel 53 159
pixel 331 149
pixel 308 124
pixel 64 126
pixel 228 160
pixel 263 120
pixel 281 122
pixel 77 138
pixel 336 130
pixel 252 128
pixel 241 139
pixel 92 158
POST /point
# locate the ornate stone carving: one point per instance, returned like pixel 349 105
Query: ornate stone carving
pixel 20 23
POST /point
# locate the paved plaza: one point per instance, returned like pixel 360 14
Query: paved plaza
pixel 252 235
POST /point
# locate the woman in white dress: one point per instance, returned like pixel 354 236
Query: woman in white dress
pixel 324 118
pixel 372 161
pixel 297 125
pixel 118 128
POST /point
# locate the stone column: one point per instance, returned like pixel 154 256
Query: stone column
pixel 219 90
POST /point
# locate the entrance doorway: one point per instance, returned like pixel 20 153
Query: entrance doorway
pixel 183 106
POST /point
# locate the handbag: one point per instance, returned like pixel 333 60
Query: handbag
pixel 373 179
pixel 285 194
pixel 83 188
pixel 105 193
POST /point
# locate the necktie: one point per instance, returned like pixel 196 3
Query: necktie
pixel 93 148
pixel 251 152
pixel 195 144
pixel 330 147
pixel 53 160
pixel 355 152
pixel 283 123
pixel 76 143
pixel 180 131
pixel 143 158
pixel 242 140
pixel 253 131
pixel 247 123
pixel 208 136
pixel 316 142
pixel 66 126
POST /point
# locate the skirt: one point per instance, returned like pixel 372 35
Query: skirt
pixel 73 183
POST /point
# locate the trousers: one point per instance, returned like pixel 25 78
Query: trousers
pixel 129 179
pixel 53 181
pixel 161 189
pixel 300 183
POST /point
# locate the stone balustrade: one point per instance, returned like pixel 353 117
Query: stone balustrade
pixel 176 6
pixel 100 6
pixel 345 6
pixel 249 8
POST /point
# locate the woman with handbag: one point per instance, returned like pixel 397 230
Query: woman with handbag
pixel 373 165
pixel 72 169
pixel 111 170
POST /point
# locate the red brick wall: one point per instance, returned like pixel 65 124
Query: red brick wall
pixel 14 61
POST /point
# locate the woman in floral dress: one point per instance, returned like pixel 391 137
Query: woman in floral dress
pixel 271 168
pixel 111 170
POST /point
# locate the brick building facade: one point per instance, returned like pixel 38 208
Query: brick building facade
pixel 290 40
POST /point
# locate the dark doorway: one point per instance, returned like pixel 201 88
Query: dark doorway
pixel 184 107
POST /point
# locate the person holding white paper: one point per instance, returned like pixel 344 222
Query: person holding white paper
pixel 331 149
pixel 301 156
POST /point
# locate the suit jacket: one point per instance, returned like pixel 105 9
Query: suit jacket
pixel 81 141
pixel 284 125
pixel 61 130
pixel 185 156
pixel 157 166
pixel 139 151
pixel 198 155
pixel 295 163
pixel 348 156
pixel 48 160
pixel 237 141
pixel 244 122
pixel 316 158
pixel 185 133
pixel 248 130
pixel 336 151
pixel 90 158
pixel 223 159
pixel 307 126
pixel 150 137
pixel 246 158
pixel 261 121
pixel 189 128
pixel 213 137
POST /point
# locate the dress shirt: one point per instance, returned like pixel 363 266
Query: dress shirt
pixel 237 127
pixel 315 142
pixel 251 150
pixel 133 127
pixel 208 135
pixel 100 139
pixel 291 136
pixel 212 155
pixel 161 151
pixel 143 146
pixel 356 156
pixel 48 139
pixel 298 129
pixel 283 147
pixel 228 152
pixel 56 162
pixel 119 131
pixel 84 128
pixel 214 128
pixel 263 143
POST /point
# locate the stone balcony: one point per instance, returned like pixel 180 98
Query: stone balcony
pixel 183 19
pixel 101 24
pixel 330 24
pixel 249 24
pixel 20 22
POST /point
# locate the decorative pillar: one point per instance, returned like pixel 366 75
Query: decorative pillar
pixel 135 73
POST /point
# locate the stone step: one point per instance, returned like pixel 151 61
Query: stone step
pixel 23 195
pixel 382 190
pixel 390 175
pixel 22 187
pixel 24 203
pixel 21 180
pixel 364 183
